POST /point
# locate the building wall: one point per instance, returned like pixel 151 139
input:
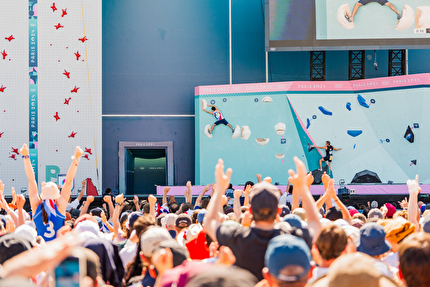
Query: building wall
pixel 156 51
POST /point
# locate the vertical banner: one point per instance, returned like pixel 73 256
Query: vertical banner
pixel 33 71
pixel 50 80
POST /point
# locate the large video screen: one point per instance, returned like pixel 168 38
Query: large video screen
pixel 293 25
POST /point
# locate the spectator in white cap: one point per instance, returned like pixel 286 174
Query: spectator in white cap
pixel 50 207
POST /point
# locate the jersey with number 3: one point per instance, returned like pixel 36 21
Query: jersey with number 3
pixel 48 231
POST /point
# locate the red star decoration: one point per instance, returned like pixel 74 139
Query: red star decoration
pixel 15 150
pixel 58 26
pixel 88 150
pixel 66 101
pixel 83 39
pixel 64 12
pixel 4 54
pixel 10 38
pixel 2 89
pixel 13 156
pixel 77 55
pixel 53 7
pixel 75 90
pixel 67 74
pixel 1 134
pixel 72 135
pixel 56 116
pixel 86 156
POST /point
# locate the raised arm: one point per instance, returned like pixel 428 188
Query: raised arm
pixel 199 198
pixel 65 191
pixel 258 177
pixel 336 149
pixel 322 199
pixel 325 178
pixel 246 193
pixel 236 203
pixel 414 190
pixel 105 221
pixel 152 200
pixel 222 180
pixel 81 194
pixel 87 203
pixel 5 206
pixel 32 185
pixel 119 199
pixel 296 195
pixel 189 196
pixel 13 196
pixel 108 200
pixel 299 183
pixel 165 191
pixel 36 260
pixel 20 201
pixel 211 113
pixel 136 202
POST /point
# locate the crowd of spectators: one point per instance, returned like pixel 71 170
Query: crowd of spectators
pixel 259 236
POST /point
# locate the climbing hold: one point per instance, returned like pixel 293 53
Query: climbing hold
pixel 325 111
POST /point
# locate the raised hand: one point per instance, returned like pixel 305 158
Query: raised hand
pixel 20 201
pixel 222 179
pixel 309 179
pixel 207 187
pixel 24 150
pixel 298 178
pixel 237 193
pixel 403 203
pixel 152 199
pixel 325 178
pixel 330 188
pixel 172 199
pixel 166 190
pixel 413 185
pixel 107 198
pixel 78 152
pixel 90 199
pixel 136 200
pixel 119 198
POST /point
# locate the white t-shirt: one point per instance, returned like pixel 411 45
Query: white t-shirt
pixel 287 197
pixel 72 205
pixel 128 253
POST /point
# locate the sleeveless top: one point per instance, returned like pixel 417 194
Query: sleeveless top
pixel 218 116
pixel 56 221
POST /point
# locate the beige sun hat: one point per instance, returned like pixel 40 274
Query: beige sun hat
pixel 49 191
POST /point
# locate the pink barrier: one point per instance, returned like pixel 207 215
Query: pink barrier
pixel 378 189
pixel 341 86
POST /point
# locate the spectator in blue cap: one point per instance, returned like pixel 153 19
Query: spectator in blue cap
pixel 373 243
pixel 287 261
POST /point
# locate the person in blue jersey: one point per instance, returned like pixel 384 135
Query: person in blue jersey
pixel 49 208
pixel 219 118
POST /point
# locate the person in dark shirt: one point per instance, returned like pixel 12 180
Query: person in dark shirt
pixel 328 154
pixel 249 244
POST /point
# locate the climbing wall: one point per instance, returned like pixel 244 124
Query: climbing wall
pixel 379 124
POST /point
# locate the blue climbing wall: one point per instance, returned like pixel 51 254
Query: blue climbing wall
pixel 380 124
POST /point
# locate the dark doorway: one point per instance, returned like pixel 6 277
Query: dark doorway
pixel 146 168
pixel 145 165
